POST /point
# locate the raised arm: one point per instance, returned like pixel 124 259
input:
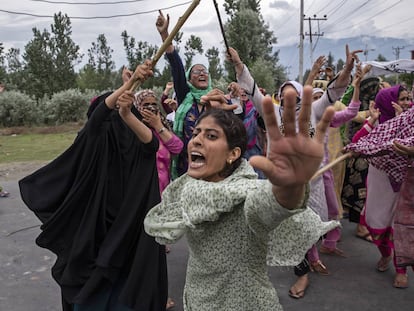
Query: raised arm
pixel 124 99
pixel 177 68
pixel 245 80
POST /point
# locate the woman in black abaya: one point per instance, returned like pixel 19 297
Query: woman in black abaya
pixel 92 201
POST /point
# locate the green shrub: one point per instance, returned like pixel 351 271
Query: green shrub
pixel 17 109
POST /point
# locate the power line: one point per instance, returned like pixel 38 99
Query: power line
pixel 97 17
pixel 88 3
pixel 369 18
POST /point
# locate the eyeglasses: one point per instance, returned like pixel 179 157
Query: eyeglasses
pixel 199 71
pixel 404 98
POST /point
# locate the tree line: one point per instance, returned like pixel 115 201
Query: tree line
pixel 46 66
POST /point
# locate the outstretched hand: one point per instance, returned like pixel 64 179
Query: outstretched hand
pixel 293 159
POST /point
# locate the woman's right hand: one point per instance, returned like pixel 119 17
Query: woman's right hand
pixel 162 24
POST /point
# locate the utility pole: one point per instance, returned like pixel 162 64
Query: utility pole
pixel 301 37
pixel 366 51
pixel 397 56
pixel 315 34
pixel 397 51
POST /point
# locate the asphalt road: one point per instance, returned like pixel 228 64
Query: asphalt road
pixel 354 285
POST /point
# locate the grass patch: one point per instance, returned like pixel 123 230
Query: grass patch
pixel 35 144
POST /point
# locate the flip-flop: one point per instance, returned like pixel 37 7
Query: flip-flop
pixel 400 281
pixel 366 237
pixel 298 294
pixel 4 194
pixel 170 304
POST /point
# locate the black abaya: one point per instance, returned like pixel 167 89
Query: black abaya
pixel 92 201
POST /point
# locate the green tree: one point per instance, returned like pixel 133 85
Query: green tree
pixel 97 73
pixel 214 67
pixel 38 68
pixel 137 53
pixel 193 45
pixel 65 53
pixel 2 64
pixel 339 65
pixel 50 58
pixel 330 61
pixel 381 58
pixel 245 18
pixel 14 69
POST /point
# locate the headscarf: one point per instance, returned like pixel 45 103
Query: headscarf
pixel 139 98
pixel 298 87
pixel 193 95
pixel 383 102
pixel 317 90
pixel 377 146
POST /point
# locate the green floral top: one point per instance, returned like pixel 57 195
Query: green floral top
pixel 233 227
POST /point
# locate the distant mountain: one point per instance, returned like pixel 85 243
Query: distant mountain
pixel 373 46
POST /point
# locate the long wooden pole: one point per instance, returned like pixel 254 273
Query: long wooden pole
pixel 221 26
pixel 332 164
pixel 169 39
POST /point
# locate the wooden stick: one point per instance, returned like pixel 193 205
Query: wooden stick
pixel 169 39
pixel 221 26
pixel 332 164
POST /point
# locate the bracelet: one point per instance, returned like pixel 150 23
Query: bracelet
pixel 161 130
pixel 238 63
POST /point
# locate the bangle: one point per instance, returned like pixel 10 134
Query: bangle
pixel 238 63
pixel 161 130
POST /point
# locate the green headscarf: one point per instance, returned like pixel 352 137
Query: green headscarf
pixel 184 107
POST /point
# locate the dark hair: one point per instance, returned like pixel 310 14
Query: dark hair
pixel 234 130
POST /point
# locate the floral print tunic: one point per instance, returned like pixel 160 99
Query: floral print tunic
pixel 234 228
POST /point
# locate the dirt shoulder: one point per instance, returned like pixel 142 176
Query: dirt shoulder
pixel 18 170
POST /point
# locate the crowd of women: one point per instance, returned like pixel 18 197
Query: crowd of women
pixel 243 185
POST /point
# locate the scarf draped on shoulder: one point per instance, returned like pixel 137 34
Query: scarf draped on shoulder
pixel 193 95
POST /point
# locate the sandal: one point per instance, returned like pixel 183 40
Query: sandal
pixel 298 289
pixel 401 280
pixel 384 264
pixel 364 236
pixel 170 304
pixel 319 267
pixel 4 194
pixel 332 251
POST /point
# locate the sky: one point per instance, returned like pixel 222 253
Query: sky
pixel 90 18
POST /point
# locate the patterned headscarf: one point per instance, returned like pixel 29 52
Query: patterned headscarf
pixel 377 146
pixel 139 98
pixel 383 102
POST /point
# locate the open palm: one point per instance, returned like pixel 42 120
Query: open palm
pixel 294 158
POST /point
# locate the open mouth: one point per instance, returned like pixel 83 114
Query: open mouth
pixel 197 159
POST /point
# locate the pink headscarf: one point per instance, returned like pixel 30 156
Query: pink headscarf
pixel 383 102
